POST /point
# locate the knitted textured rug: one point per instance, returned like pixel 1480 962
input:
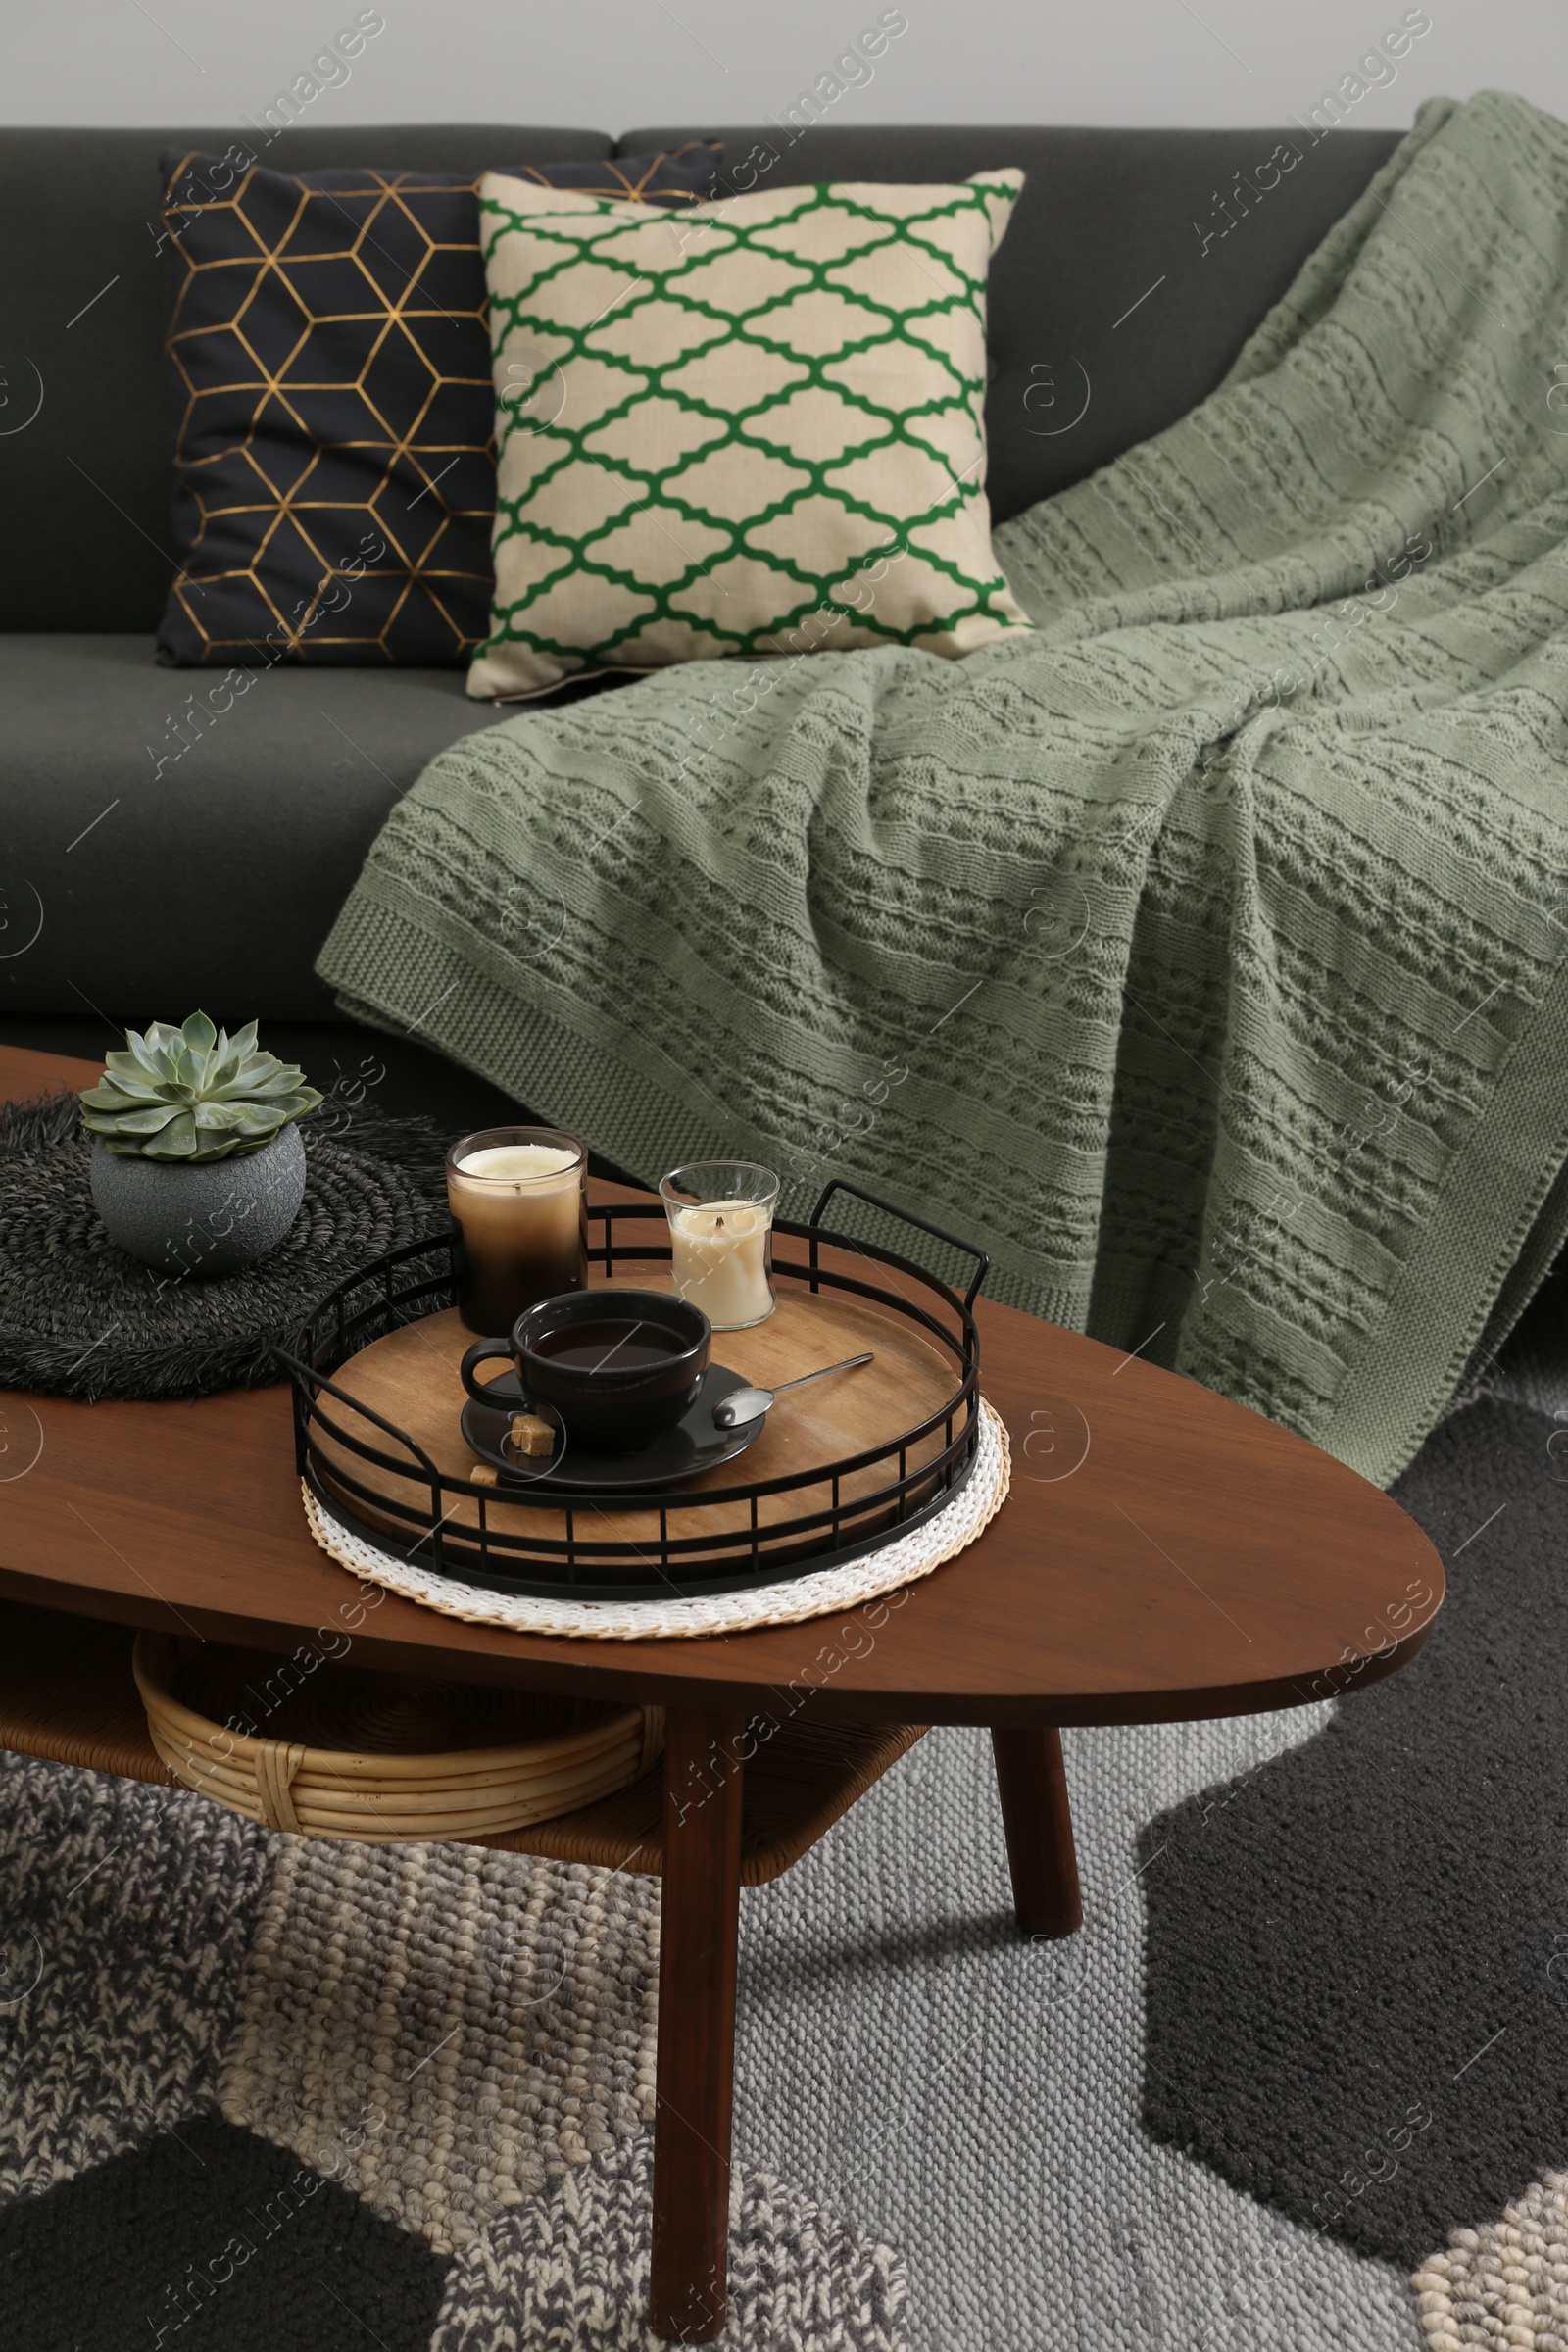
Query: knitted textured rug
pixel 1369 2035
pixel 1198 951
pixel 256 2089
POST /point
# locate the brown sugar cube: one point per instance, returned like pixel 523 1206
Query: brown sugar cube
pixel 529 1435
pixel 484 1476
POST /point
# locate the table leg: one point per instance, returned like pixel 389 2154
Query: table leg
pixel 1032 1784
pixel 700 1921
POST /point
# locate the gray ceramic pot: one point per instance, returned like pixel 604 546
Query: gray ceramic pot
pixel 210 1219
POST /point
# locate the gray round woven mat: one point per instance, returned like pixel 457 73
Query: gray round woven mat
pixel 80 1318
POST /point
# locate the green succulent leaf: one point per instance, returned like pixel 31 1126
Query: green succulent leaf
pixel 224 1070
pixel 178 1141
pixel 193 1093
pixel 115 1090
pixel 151 1121
pixel 127 1072
pixel 144 1051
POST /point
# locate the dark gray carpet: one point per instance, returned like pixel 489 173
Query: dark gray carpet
pixel 213 2240
pixel 1357 1972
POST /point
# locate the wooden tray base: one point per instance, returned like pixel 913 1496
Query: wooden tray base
pixel 412 1378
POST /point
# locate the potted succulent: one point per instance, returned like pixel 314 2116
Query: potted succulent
pixel 197 1163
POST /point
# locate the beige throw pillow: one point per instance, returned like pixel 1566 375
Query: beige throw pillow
pixel 752 427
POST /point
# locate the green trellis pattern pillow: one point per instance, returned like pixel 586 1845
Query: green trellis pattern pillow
pixel 753 427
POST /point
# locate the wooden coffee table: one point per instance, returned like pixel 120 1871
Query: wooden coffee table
pixel 1164 1555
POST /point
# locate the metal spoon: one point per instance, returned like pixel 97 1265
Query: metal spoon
pixel 750 1404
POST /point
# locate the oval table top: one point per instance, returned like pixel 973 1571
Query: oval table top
pixel 1164 1554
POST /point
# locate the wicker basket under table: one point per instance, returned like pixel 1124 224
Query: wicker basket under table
pixel 380 1788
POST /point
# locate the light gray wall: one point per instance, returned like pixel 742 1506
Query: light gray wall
pixel 611 64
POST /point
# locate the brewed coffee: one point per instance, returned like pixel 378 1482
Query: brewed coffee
pixel 617 1346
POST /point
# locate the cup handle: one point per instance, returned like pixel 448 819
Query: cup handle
pixel 481 1352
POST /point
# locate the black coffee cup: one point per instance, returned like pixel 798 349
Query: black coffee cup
pixel 618 1367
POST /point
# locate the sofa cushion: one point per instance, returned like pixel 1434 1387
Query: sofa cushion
pixel 86 484
pixel 1137 264
pixel 331 403
pixel 1101 211
pixel 754 429
pixel 214 879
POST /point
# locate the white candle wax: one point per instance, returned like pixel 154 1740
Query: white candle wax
pixel 517 1163
pixel 718 1258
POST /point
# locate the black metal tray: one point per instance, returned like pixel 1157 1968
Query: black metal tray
pixel 829 1527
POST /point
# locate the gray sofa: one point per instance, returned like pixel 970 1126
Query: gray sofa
pixel 1137 264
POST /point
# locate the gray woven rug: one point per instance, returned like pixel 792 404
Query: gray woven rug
pixel 80 1318
pixel 403 2095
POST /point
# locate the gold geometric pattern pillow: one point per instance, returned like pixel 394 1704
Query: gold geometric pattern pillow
pixel 757 423
pixel 331 409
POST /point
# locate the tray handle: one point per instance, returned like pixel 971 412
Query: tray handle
pixel 842 1183
pixel 307 1382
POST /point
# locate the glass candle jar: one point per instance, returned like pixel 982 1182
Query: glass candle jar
pixel 720 1215
pixel 518 1200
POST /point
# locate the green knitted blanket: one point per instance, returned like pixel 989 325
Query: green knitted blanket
pixel 1203 955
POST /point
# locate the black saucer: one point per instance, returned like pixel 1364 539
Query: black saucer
pixel 692 1445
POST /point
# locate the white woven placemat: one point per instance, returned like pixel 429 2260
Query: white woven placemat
pixel 823 1594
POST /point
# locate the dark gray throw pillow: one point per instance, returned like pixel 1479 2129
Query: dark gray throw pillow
pixel 333 409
